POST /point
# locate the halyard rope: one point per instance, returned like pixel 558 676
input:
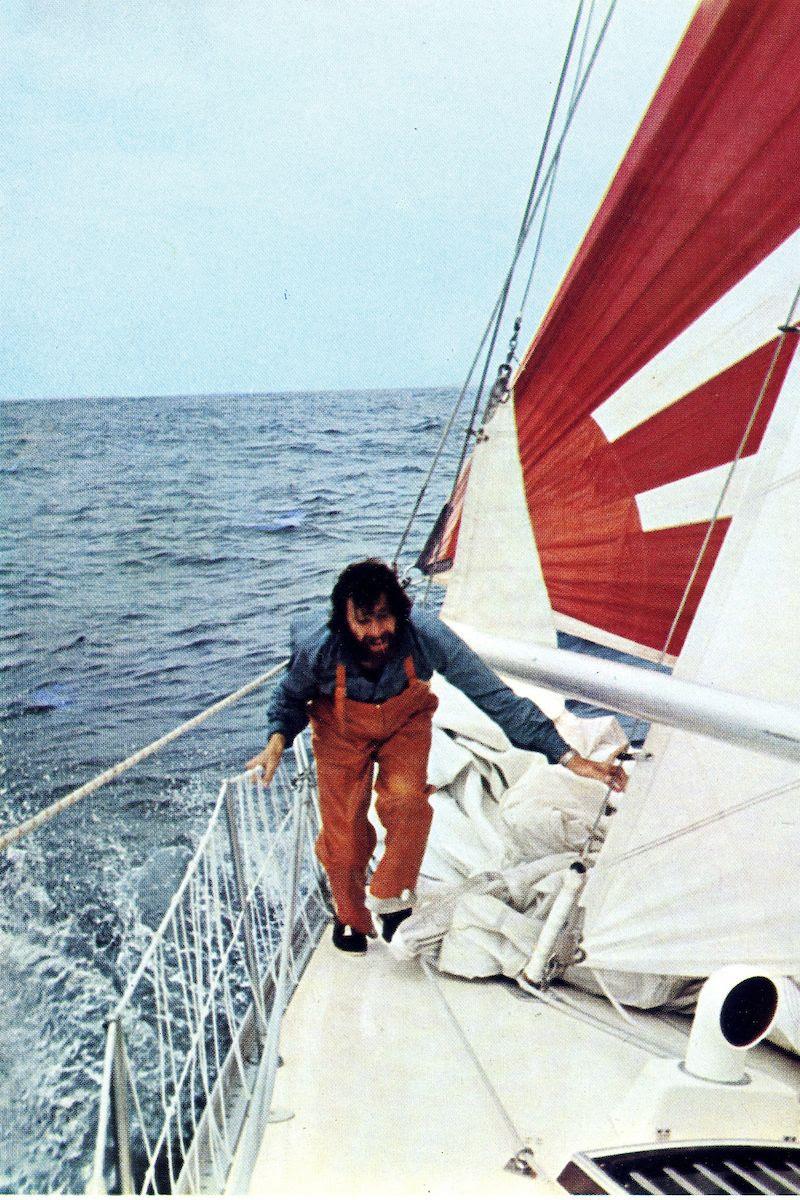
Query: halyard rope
pixel 53 810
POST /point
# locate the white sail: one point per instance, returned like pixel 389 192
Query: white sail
pixel 700 867
pixel 496 586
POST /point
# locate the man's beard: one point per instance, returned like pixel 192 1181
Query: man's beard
pixel 368 650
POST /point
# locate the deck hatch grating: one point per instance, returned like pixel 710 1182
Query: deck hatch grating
pixel 688 1169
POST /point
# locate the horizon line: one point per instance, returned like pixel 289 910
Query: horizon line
pixel 345 391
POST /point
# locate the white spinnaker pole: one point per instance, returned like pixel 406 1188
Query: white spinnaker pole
pixel 740 720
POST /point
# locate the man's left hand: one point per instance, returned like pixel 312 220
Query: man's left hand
pixel 608 772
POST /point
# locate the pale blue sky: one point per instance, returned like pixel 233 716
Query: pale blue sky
pixel 205 196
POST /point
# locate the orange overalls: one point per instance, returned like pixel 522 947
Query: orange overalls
pixel 348 738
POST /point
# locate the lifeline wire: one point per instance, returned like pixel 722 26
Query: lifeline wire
pixel 211 960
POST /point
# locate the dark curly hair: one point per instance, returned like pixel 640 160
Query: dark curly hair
pixel 364 583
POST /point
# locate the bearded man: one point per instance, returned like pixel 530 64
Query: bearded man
pixel 362 680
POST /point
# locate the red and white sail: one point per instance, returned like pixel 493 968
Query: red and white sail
pixel 660 360
pixel 700 866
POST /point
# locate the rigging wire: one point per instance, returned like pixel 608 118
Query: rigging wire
pixel 443 440
pixel 578 93
pixel 703 822
pixel 785 329
pixel 531 209
pixel 527 218
pixel 555 164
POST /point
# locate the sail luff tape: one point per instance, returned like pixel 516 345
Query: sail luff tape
pixel 53 810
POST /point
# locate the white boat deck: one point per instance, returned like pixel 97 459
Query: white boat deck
pixel 388 1099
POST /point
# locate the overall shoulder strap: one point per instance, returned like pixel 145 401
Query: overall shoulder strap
pixel 340 694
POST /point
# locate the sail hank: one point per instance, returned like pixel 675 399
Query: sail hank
pixel 701 863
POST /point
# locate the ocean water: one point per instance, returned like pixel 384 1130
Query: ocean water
pixel 154 552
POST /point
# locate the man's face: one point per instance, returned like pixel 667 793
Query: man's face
pixel 374 631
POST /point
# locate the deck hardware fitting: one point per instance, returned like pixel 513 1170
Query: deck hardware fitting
pixel 522 1163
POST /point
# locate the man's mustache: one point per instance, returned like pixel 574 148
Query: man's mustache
pixel 386 640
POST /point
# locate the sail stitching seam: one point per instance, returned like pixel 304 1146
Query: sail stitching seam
pixel 778 483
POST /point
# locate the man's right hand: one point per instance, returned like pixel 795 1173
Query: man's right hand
pixel 269 758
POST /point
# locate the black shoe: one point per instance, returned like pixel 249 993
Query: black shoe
pixel 390 921
pixel 352 941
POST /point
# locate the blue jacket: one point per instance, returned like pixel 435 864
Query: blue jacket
pixel 433 647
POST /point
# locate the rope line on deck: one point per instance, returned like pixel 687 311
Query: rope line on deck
pixel 516 1136
pixel 635 1036
pixel 53 810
